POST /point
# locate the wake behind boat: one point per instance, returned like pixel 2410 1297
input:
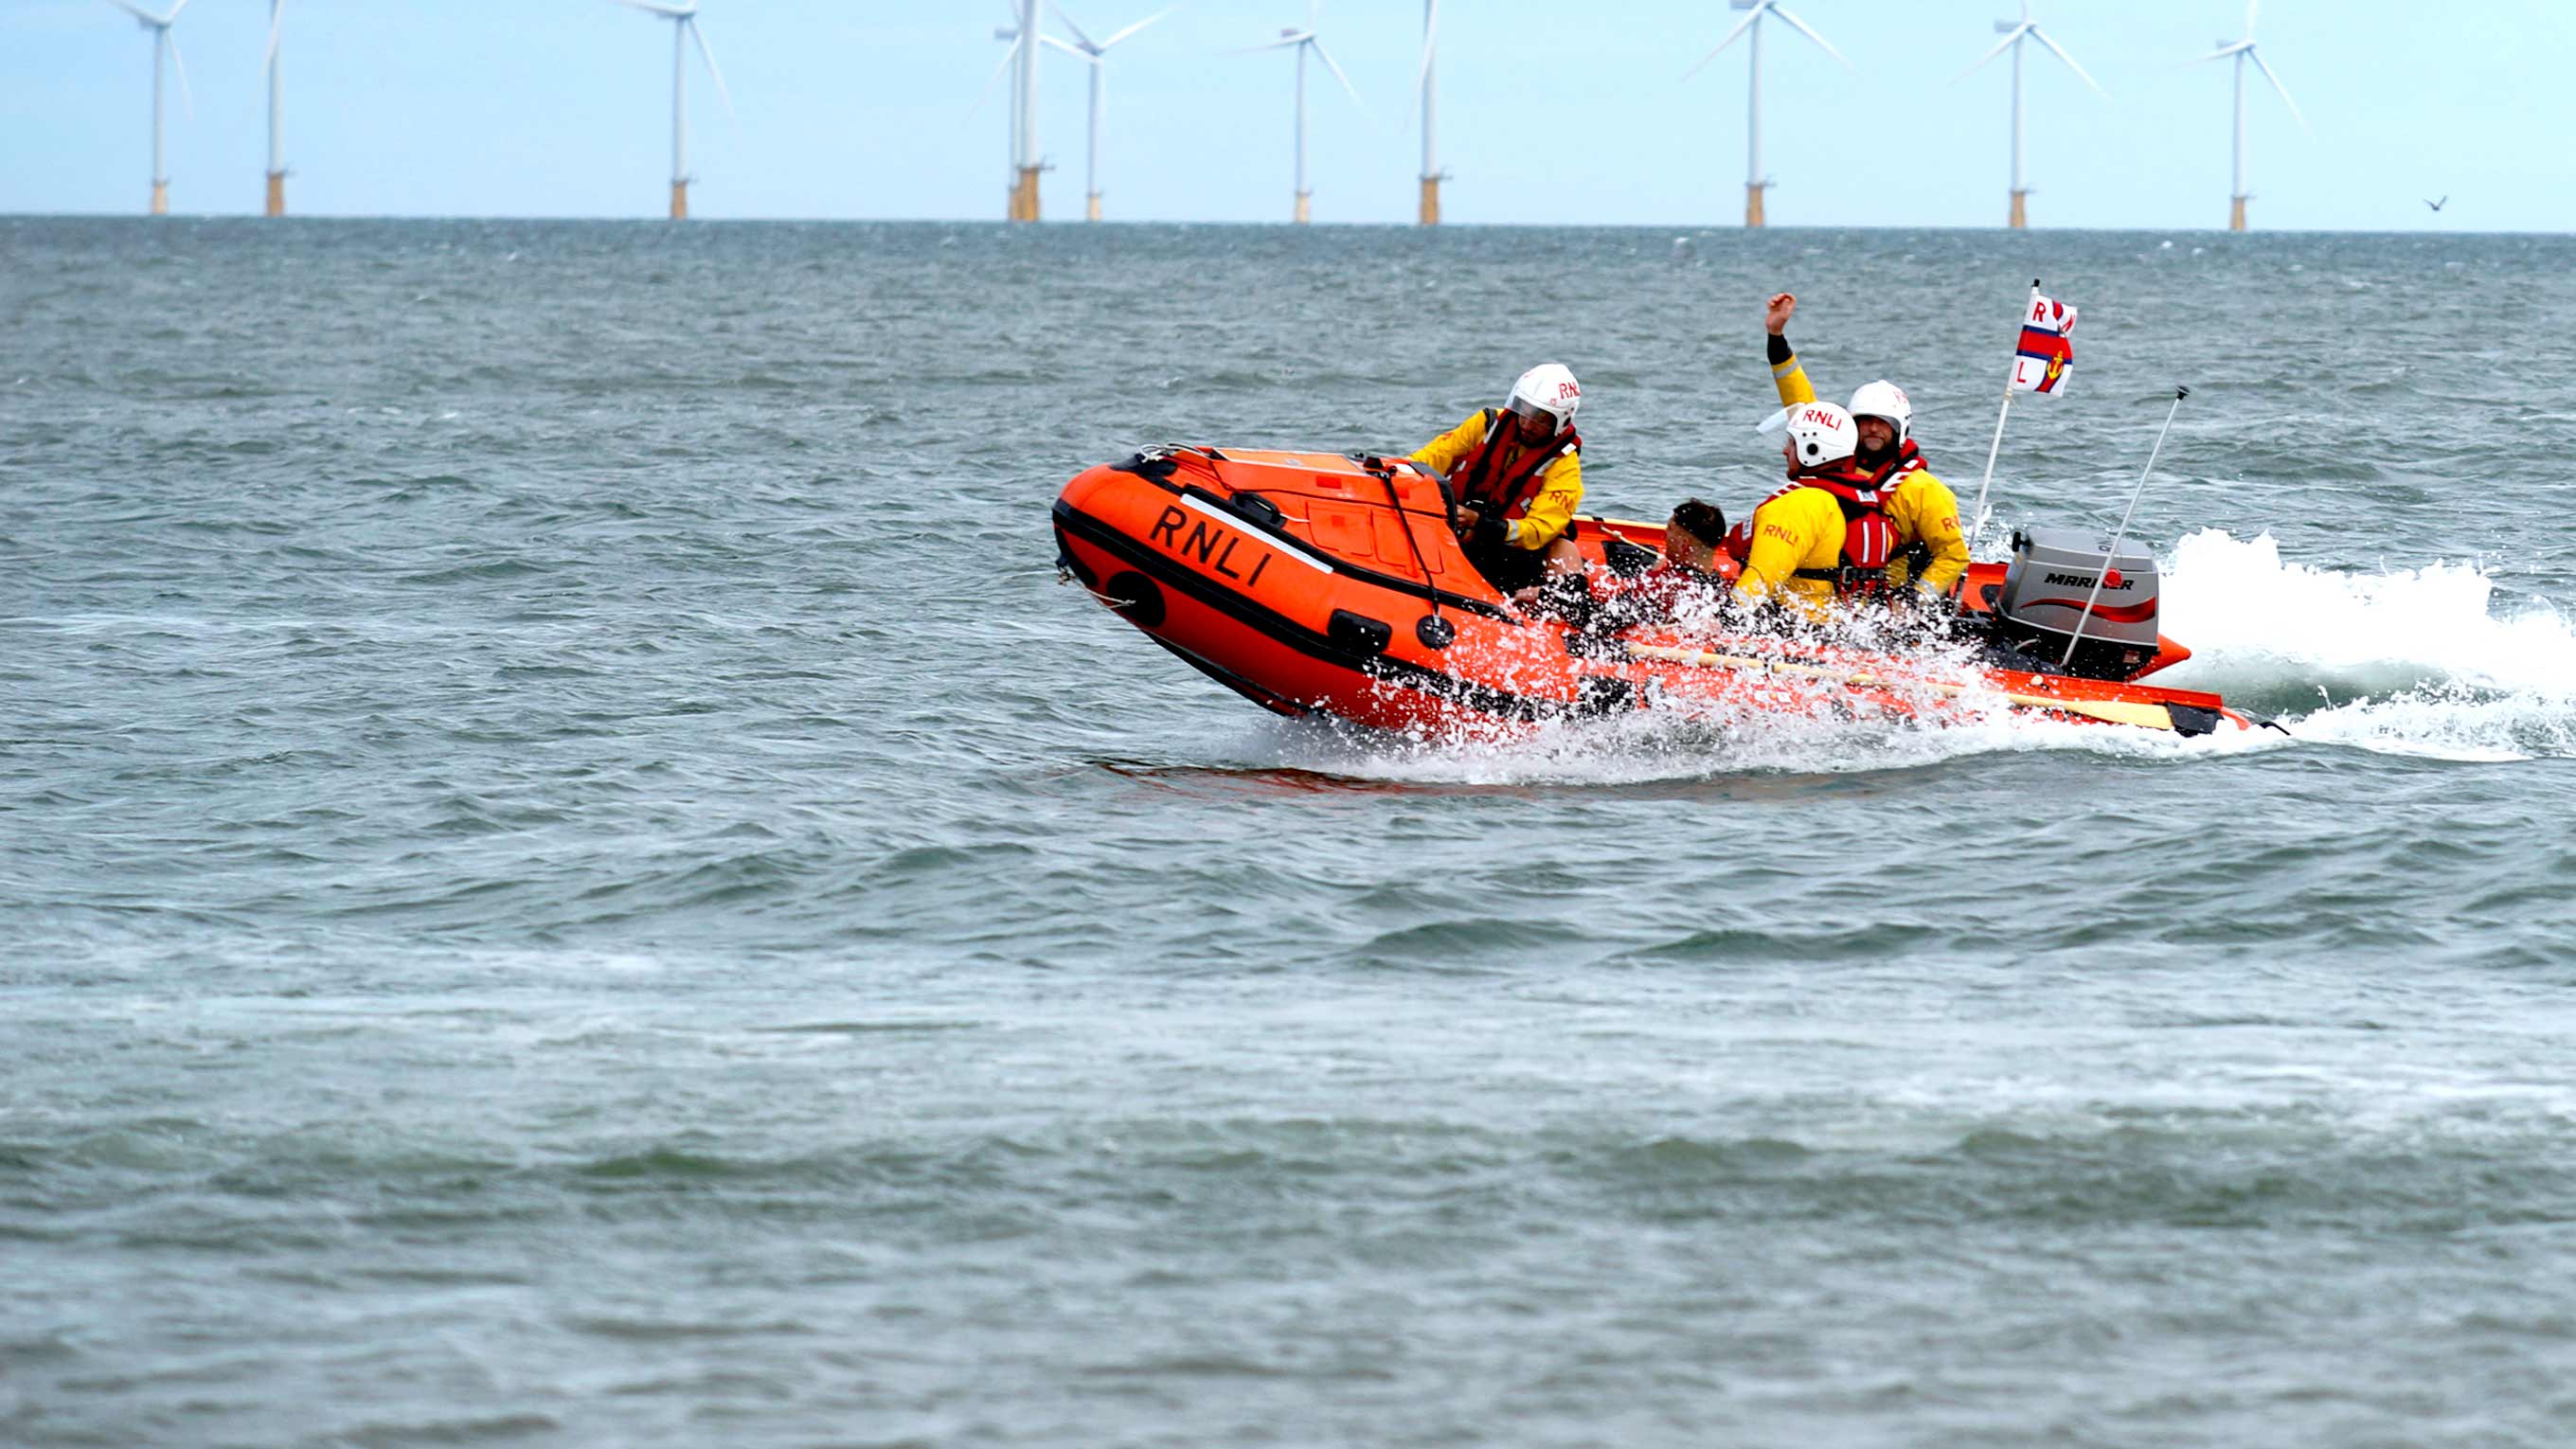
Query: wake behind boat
pixel 1325 583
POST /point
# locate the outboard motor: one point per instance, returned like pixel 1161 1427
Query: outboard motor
pixel 2052 573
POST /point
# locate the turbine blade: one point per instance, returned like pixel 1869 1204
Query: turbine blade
pixel 181 62
pixel 653 7
pixel 1281 44
pixel 2221 53
pixel 2249 17
pixel 2257 58
pixel 2060 52
pixel 986 94
pixel 174 12
pixel 1132 29
pixel 1069 48
pixel 1327 57
pixel 707 53
pixel 1070 25
pixel 1741 26
pixel 138 12
pixel 276 22
pixel 2000 47
pixel 1422 73
pixel 1801 27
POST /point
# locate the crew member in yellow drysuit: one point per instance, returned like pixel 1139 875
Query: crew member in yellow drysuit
pixel 1931 552
pixel 1824 536
pixel 1517 473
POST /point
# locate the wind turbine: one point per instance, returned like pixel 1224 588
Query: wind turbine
pixel 1022 203
pixel 1085 48
pixel 1304 41
pixel 1024 114
pixel 2014 32
pixel 276 115
pixel 162 40
pixel 1755 183
pixel 684 28
pixel 1432 175
pixel 1010 58
pixel 2244 51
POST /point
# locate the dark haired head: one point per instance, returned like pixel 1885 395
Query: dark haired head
pixel 1701 521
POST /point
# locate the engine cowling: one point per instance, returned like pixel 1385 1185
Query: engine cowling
pixel 2046 590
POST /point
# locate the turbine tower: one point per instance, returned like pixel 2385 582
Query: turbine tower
pixel 162 41
pixel 1085 48
pixel 1755 183
pixel 1432 175
pixel 1024 115
pixel 2014 32
pixel 684 28
pixel 1303 41
pixel 276 115
pixel 2243 51
pixel 1010 59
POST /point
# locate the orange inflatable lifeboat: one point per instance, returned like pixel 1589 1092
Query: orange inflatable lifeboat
pixel 1322 582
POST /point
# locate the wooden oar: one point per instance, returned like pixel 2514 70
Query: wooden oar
pixel 2109 711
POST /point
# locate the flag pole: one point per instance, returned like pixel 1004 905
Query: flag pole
pixel 1977 515
pixel 2103 573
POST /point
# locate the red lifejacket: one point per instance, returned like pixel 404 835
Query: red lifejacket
pixel 1907 462
pixel 1868 538
pixel 1483 479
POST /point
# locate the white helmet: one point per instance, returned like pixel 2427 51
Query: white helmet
pixel 1821 433
pixel 1548 391
pixel 1884 399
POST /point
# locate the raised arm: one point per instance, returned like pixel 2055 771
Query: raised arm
pixel 1786 375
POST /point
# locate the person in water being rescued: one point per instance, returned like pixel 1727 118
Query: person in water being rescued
pixel 1683 583
pixel 1931 551
pixel 1825 537
pixel 1517 473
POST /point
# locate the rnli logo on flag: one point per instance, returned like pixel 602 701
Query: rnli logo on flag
pixel 2045 352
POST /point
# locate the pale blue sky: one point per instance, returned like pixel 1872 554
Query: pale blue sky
pixel 1557 113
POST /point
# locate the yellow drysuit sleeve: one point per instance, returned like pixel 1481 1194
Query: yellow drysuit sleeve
pixel 1451 448
pixel 1925 511
pixel 1560 488
pixel 1790 377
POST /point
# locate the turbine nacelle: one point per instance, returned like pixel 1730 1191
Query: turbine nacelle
pixel 1755 10
pixel 146 18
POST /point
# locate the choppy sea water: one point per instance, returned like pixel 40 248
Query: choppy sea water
pixel 567 874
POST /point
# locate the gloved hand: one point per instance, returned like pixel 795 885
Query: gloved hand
pixel 1491 531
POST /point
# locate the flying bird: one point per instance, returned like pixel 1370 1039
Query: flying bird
pixel 2437 205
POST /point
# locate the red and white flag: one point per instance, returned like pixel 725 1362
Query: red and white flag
pixel 2041 360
